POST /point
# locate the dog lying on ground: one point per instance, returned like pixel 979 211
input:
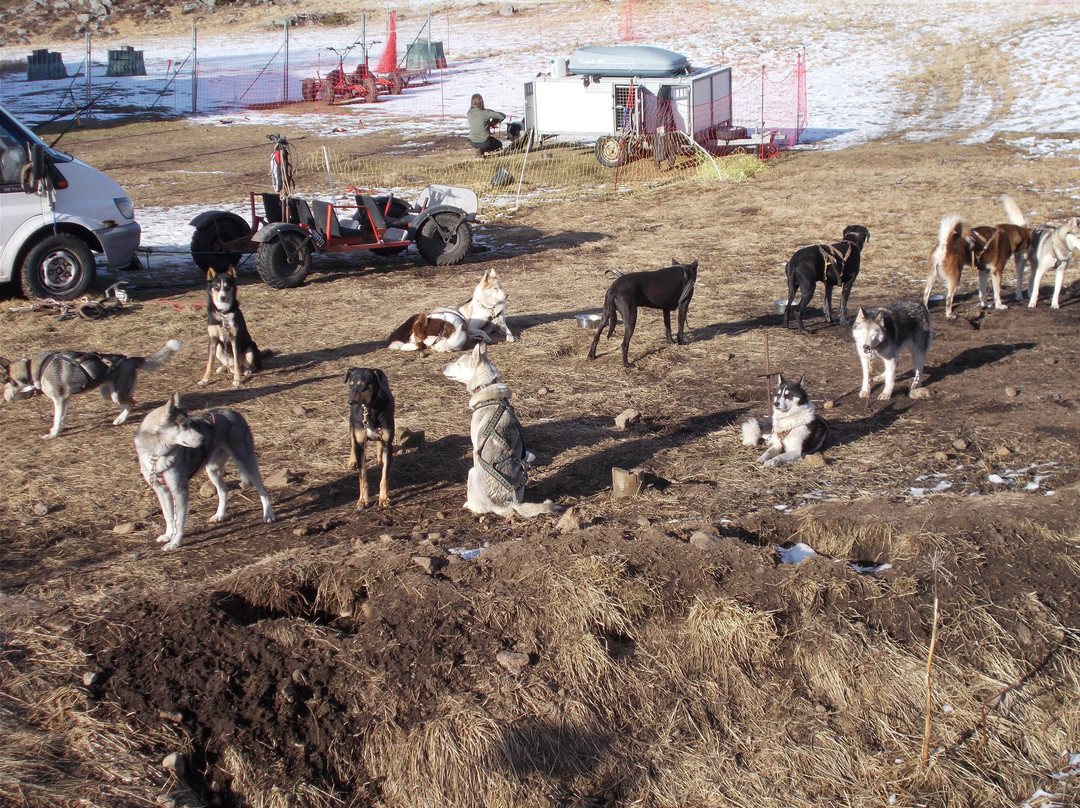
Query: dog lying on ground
pixel 793 430
pixel 371 417
pixel 1051 248
pixel 500 461
pixel 446 330
pixel 173 445
pixel 668 289
pixel 63 374
pixel 832 264
pixel 883 333
pixel 229 340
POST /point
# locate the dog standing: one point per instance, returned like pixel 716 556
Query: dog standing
pixel 832 264
pixel 173 445
pixel 229 340
pixel 948 258
pixel 1051 248
pixel 371 417
pixel 886 331
pixel 63 374
pixel 485 313
pixel 499 472
pixel 795 429
pixel 668 288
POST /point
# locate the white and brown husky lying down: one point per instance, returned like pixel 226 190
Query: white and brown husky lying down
pixel 500 461
pixel 447 330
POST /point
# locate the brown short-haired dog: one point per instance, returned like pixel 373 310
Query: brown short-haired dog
pixel 371 416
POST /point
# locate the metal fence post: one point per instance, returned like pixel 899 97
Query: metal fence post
pixel 89 82
pixel 285 76
pixel 194 71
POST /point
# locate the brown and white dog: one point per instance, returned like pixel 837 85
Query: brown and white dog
pixel 987 248
pixel 447 330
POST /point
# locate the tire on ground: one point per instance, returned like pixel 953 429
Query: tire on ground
pixel 284 261
pixel 444 239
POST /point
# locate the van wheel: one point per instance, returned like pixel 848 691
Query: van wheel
pixel 59 266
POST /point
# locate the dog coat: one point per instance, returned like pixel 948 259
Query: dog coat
pixel 498 448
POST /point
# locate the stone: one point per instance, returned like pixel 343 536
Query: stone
pixel 816 460
pixel 91 678
pixel 919 393
pixel 1004 451
pixel 941 457
pixel 626 418
pixel 428 564
pixel 569 521
pixel 829 404
pixel 960 444
pixel 207 490
pixel 40 509
pixel 513 661
pixel 174 763
pixel 124 529
pixel 279 478
pixel 705 540
pixel 1011 392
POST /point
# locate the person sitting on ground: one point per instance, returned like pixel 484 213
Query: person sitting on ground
pixel 480 122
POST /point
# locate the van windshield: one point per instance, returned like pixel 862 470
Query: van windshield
pixel 15 140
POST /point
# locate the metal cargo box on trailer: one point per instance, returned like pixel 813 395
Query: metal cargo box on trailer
pixel 628 111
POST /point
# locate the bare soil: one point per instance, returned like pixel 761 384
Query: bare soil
pixel 314 662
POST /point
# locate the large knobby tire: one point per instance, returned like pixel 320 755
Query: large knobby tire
pixel 444 239
pixel 60 266
pixel 370 90
pixel 310 89
pixel 610 151
pixel 284 261
pixel 207 250
pixel 397 83
pixel 326 91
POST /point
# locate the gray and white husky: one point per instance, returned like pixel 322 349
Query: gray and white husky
pixel 794 429
pixel 1051 248
pixel 63 374
pixel 173 446
pixel 886 331
pixel 500 461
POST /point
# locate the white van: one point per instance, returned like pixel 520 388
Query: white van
pixel 56 212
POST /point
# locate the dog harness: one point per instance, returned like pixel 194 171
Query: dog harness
pixel 159 473
pixel 503 452
pixel 835 259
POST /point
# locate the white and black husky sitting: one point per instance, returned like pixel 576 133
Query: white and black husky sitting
pixel 794 429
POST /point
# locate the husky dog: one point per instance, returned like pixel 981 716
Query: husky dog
pixel 500 461
pixel 668 288
pixel 371 417
pixel 832 264
pixel 793 430
pixel 229 340
pixel 173 445
pixel 63 374
pixel 1051 248
pixel 884 333
pixel 442 330
pixel 485 313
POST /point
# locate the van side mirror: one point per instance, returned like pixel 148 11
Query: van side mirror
pixel 37 159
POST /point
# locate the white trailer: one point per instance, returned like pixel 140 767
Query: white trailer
pixel 631 99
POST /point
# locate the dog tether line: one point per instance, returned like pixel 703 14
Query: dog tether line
pixel 491 433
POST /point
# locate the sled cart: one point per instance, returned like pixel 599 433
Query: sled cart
pixel 637 101
pixel 286 236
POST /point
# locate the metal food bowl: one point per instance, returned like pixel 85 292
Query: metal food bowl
pixel 780 306
pixel 587 320
pixel 936 299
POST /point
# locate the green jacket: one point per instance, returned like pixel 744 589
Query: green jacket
pixel 478 123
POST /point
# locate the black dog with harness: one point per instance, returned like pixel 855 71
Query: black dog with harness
pixel 832 264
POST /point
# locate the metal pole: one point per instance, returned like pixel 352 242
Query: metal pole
pixel 363 35
pixel 89 81
pixel 285 75
pixel 194 71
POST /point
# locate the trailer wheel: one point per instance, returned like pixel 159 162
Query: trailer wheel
pixel 326 91
pixel 397 83
pixel 370 89
pixel 208 244
pixel 59 266
pixel 284 262
pixel 610 151
pixel 444 239
pixel 310 89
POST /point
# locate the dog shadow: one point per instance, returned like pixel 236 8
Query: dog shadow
pixel 977 357
pixel 305 360
pixel 850 431
pixel 591 474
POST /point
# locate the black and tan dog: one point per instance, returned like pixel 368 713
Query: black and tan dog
pixel 668 288
pixel 832 264
pixel 229 340
pixel 371 417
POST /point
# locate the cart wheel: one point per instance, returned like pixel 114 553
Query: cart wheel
pixel 444 239
pixel 60 266
pixel 397 84
pixel 285 261
pixel 310 89
pixel 208 244
pixel 371 90
pixel 610 151
pixel 326 91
